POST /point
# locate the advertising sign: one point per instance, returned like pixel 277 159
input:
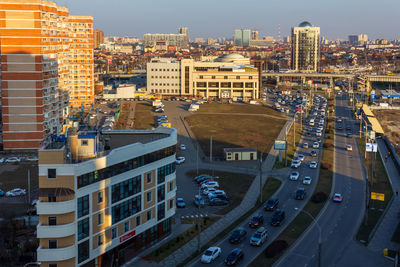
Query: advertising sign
pixel 127 236
pixel 371 147
pixel 373 96
pixel 280 145
pixel 378 196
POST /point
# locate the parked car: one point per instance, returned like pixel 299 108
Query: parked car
pixel 12 160
pixel 211 254
pixel 207 191
pixel 294 176
pixel 202 177
pixel 295 164
pixel 180 160
pixel 307 180
pixel 180 203
pixel 256 221
pixel 349 148
pixel 199 201
pixel 217 193
pixel 301 157
pixel 218 202
pixel 313 153
pixel 183 147
pixel 305 145
pixel 337 197
pixel 209 184
pixel 32 158
pixel 237 235
pixel 315 145
pixel 300 194
pixel 259 237
pixel 277 217
pixel 313 164
pixel 271 204
pixel 16 192
pixel 234 256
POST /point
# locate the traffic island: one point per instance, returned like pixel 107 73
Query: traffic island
pixel 144 116
pixel 293 139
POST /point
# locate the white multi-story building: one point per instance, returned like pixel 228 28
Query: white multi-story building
pixel 100 193
pixel 163 75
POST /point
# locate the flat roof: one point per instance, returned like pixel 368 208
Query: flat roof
pixel 367 111
pixel 239 149
pixel 123 138
pixel 376 126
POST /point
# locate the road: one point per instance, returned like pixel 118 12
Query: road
pixel 339 222
pixel 287 203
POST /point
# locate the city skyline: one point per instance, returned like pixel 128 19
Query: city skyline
pixel 131 18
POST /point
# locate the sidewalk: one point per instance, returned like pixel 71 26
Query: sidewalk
pixel 383 234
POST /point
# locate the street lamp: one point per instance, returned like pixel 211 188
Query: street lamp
pixel 319 236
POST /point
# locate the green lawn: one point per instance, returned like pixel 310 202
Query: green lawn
pixel 144 117
pixel 292 144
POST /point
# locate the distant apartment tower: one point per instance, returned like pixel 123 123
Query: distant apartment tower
pixel 242 37
pixel 98 38
pixel 254 35
pixel 305 52
pixel 362 38
pixel 353 39
pixel 180 39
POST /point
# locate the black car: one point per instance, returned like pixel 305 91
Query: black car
pixel 313 153
pixel 256 221
pixel 271 204
pixel 348 128
pixel 221 197
pixel 277 217
pixel 300 194
pixel 234 256
pixel 237 235
pixel 218 202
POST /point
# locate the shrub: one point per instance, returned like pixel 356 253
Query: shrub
pixel 275 248
pixel 325 165
pixel 319 197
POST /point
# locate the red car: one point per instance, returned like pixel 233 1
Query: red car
pixel 256 221
pixel 338 198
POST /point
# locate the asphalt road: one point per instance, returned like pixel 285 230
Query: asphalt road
pixel 339 222
pixel 287 203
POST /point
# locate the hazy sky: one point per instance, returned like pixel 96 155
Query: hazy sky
pixel 219 18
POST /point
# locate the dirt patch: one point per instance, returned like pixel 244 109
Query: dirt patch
pixel 390 121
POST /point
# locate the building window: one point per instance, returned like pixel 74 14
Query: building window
pixel 138 220
pixel 126 226
pixel 83 229
pixel 114 233
pixel 164 171
pixel 212 77
pixel 148 196
pixel 52 264
pixel 52 220
pixel 160 193
pixel 52 198
pixel 237 77
pixel 171 203
pixel 126 189
pixel 52 243
pixel 84 142
pixel 226 77
pixel 171 186
pixel 161 211
pixel 83 251
pixel 100 239
pixel 51 173
pixel 100 218
pixel 126 209
pixel 99 197
pixel 201 77
pixel 149 215
pixel 83 206
pixel 148 178
pixel 251 77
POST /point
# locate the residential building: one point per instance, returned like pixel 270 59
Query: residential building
pixel 353 39
pixel 305 48
pixel 41 48
pixel 363 38
pixel 242 37
pixel 254 35
pixel 180 39
pixel 98 38
pixel 228 76
pixel 102 192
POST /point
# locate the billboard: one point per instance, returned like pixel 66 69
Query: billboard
pixel 280 145
pixel 373 96
pixel 371 147
pixel 378 196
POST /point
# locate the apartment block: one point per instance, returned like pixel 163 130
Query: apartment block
pixel 98 38
pixel 100 193
pixel 37 40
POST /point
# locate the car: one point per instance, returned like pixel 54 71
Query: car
pixel 180 160
pixel 16 192
pixel 315 145
pixel 340 128
pixel 313 165
pixel 313 153
pixel 12 160
pixel 209 184
pixel 256 221
pixel 271 204
pixel 180 203
pixel 349 148
pixel 183 147
pixel 259 237
pixel 217 193
pixel 234 256
pixel 294 176
pixel 211 254
pixel 349 134
pixel 305 145
pixel 339 119
pixel 199 201
pixel 307 180
pixel 160 110
pixel 295 164
pixel 1 193
pixel 277 218
pixel 218 202
pixel 337 197
pixel 318 139
pixel 32 158
pixel 207 191
pixel 319 134
pixel 202 178
pixel 348 128
pixel 237 235
pixel 301 157
pixel 300 194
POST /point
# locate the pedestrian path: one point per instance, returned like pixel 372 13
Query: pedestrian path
pixel 383 235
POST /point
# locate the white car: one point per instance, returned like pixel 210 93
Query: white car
pixel 295 164
pixel 33 158
pixel 12 160
pixel 16 192
pixel 301 157
pixel 294 176
pixel 211 184
pixel 180 160
pixel 313 164
pixel 349 148
pixel 207 191
pixel 318 134
pixel 305 145
pixel 216 193
pixel 315 145
pixel 210 254
pixel 183 147
pixel 307 180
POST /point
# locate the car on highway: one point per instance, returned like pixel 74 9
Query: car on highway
pixel 277 218
pixel 234 256
pixel 313 165
pixel 349 148
pixel 259 237
pixel 313 153
pixel 294 176
pixel 337 197
pixel 199 201
pixel 318 139
pixel 295 163
pixel 16 192
pixel 183 147
pixel 211 254
pixel 300 194
pixel 348 128
pixel 305 145
pixel 209 184
pixel 315 145
pixel 339 119
pixel 271 204
pixel 256 221
pixel 180 160
pixel 307 180
pixel 301 157
pixel 237 236
pixel 349 134
pixel 180 203
pixel 218 202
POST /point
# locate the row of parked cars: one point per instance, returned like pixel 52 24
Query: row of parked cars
pixel 19 159
pixel 210 191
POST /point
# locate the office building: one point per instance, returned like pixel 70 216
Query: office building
pixel 98 38
pixel 305 52
pixel 47 55
pixel 353 39
pixel 242 37
pixel 102 192
pixel 254 35
pixel 228 76
pixel 362 38
pixel 180 39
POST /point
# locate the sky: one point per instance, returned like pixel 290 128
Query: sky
pixel 219 18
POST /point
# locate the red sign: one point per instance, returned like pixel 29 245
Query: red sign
pixel 127 236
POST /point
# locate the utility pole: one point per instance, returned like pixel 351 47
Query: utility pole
pixel 198 223
pixel 210 148
pixel 260 168
pixel 197 161
pixel 29 186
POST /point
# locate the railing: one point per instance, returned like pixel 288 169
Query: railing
pixel 60 207
pixel 55 254
pixel 56 231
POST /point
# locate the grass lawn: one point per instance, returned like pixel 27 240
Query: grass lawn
pixel 123 116
pixel 232 131
pixel 234 184
pixel 396 234
pixel 16 175
pixel 144 117
pixel 292 145
pixel 380 184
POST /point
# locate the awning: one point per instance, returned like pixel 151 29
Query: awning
pixel 59 191
pixel 376 126
pixel 367 111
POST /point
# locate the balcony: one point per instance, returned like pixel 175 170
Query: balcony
pixel 61 207
pixel 56 231
pixel 56 254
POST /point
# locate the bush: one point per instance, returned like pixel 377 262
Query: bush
pixel 326 165
pixel 327 145
pixel 319 197
pixel 275 248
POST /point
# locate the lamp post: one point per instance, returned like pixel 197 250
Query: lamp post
pixel 319 234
